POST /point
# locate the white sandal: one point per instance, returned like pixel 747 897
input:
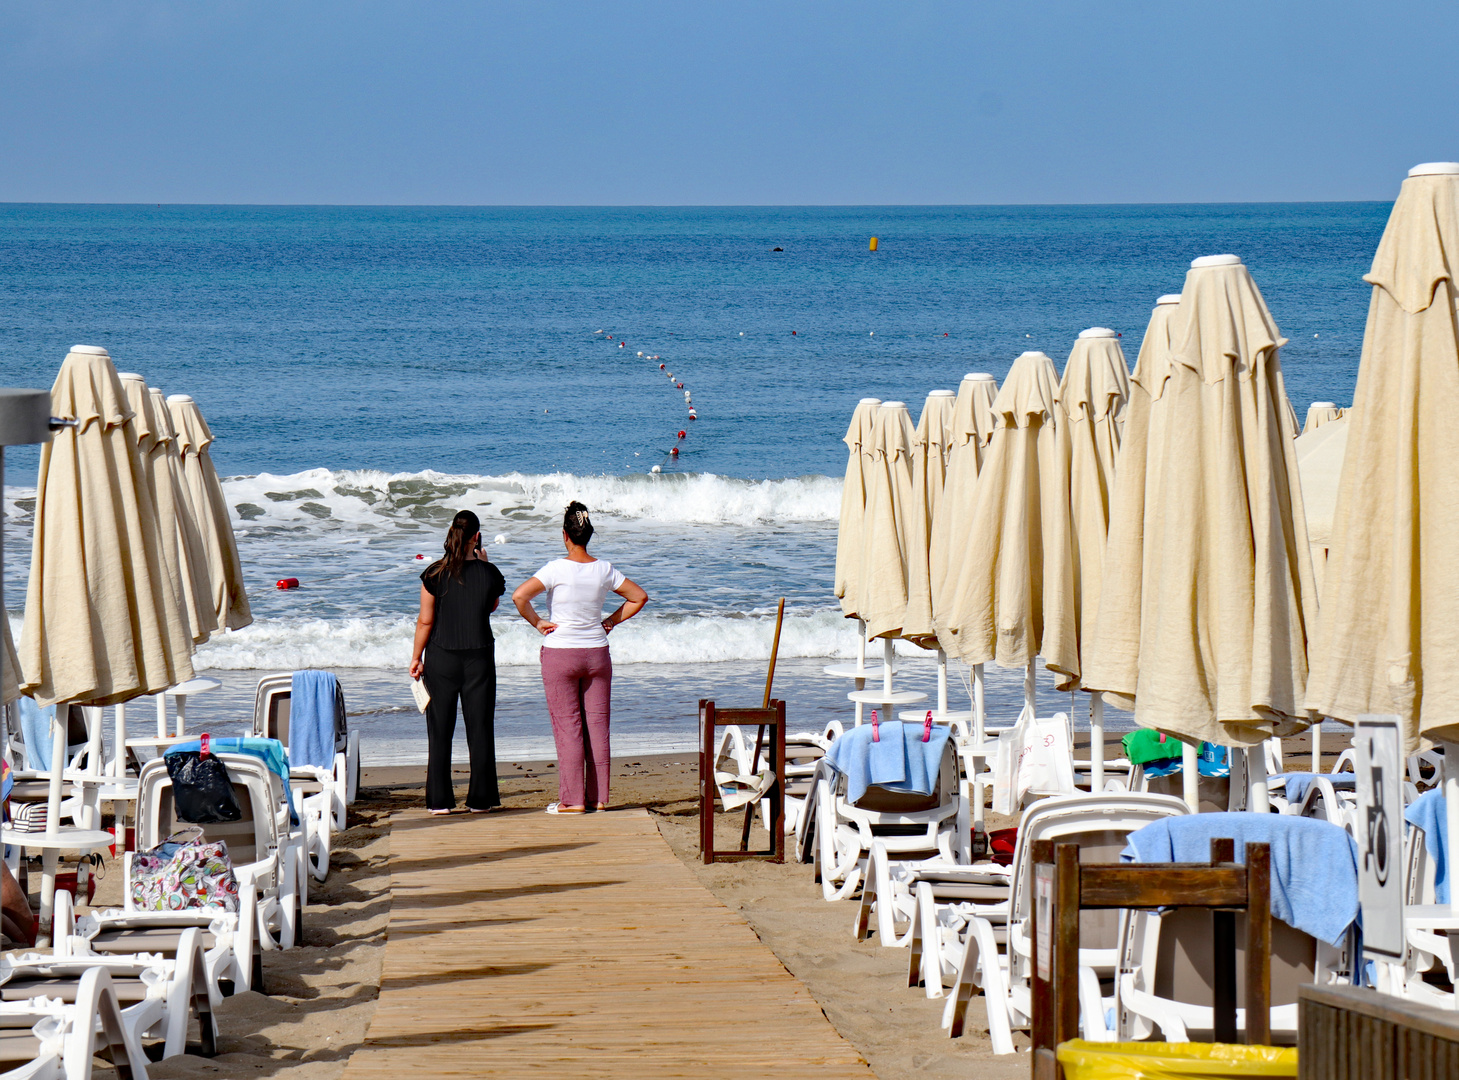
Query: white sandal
pixel 558 808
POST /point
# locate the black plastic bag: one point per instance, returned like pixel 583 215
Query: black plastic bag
pixel 202 791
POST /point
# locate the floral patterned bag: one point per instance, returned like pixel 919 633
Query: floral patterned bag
pixel 178 876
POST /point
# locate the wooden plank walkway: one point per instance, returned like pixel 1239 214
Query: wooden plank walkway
pixel 522 943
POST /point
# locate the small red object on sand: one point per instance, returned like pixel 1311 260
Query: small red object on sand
pixel 288 583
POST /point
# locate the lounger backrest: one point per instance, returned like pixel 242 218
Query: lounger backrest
pixel 1185 959
pixel 271 711
pixel 879 800
pixel 249 839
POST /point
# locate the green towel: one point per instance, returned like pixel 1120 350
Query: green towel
pixel 1144 745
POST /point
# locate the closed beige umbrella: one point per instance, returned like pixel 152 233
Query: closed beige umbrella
pixel 190 532
pixel 1320 454
pixel 225 572
pixel 1093 392
pixel 1319 413
pixel 936 436
pixel 182 546
pixel 1388 641
pixel 886 536
pixel 853 504
pixel 1208 594
pixel 951 524
pixel 1015 598
pixel 102 620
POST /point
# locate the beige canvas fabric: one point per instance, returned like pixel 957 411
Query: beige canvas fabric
pixel 1112 654
pixel 1320 454
pixel 1015 597
pixel 972 424
pixel 1320 413
pixel 936 436
pixel 1219 557
pixel 102 621
pixel 1094 391
pixel 182 543
pixel 1389 637
pixel 886 540
pixel 10 678
pixel 225 572
pixel 190 530
pixel 853 504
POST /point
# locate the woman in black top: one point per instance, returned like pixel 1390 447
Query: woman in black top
pixel 455 653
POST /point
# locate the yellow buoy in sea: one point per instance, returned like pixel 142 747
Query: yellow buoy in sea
pixel 873 243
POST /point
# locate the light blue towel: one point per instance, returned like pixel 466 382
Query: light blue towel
pixel 1429 813
pixel 887 758
pixel 269 751
pixel 1299 782
pixel 35 729
pixel 311 719
pixel 1314 863
pixel 851 755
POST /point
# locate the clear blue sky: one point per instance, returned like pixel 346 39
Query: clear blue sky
pixel 973 101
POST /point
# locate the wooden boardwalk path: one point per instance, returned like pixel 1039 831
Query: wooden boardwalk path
pixel 524 944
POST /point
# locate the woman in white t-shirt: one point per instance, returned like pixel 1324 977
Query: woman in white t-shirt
pixel 577 672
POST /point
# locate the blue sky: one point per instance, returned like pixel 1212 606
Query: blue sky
pixel 327 101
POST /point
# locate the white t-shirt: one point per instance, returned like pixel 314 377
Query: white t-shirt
pixel 575 594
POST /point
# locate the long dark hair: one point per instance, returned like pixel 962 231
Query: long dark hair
pixel 464 526
pixel 577 524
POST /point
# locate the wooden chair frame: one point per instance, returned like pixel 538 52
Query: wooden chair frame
pixel 1224 886
pixel 710 720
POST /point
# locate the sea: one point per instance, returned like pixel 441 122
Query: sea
pixel 369 371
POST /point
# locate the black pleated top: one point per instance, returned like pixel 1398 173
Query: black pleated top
pixel 463 607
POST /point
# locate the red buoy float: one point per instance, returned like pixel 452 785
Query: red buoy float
pixel 288 583
pixel 674 452
pixel 661 367
pixel 683 434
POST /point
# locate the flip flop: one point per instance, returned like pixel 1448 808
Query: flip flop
pixel 558 808
pixel 439 813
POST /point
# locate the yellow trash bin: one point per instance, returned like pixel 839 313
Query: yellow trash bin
pixel 1172 1061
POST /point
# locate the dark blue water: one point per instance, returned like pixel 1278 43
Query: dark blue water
pixel 412 338
pixel 368 370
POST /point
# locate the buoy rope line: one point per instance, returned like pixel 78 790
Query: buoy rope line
pixel 678 382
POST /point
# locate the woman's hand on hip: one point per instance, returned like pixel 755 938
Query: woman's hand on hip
pixel 544 627
pixel 417 668
pixel 608 625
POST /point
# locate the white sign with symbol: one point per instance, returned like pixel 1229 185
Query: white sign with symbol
pixel 1379 760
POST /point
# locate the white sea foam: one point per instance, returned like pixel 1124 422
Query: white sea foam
pixel 320 498
pixel 384 643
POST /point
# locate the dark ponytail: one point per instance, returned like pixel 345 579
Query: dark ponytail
pixel 577 524
pixel 464 526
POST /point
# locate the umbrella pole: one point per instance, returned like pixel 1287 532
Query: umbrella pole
pixel 980 715
pixel 49 855
pixel 860 662
pixel 118 766
pixel 1190 777
pixel 1258 800
pixel 1317 747
pixel 941 684
pixel 161 717
pixel 1029 688
pixel 1096 742
pixel 886 671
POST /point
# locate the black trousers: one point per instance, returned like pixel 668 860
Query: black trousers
pixel 467 675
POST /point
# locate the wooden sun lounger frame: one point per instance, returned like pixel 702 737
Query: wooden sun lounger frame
pixel 1224 886
pixel 710 720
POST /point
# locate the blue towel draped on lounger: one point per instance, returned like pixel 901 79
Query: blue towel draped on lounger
pixel 1314 863
pixel 311 719
pixel 1429 813
pixel 269 751
pixel 35 729
pixel 901 753
pixel 1299 782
